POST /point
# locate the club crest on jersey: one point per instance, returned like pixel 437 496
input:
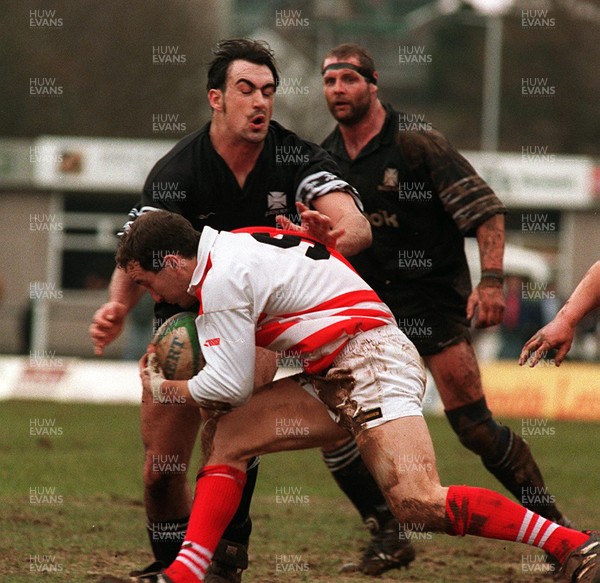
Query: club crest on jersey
pixel 390 180
pixel 276 203
pixel 277 200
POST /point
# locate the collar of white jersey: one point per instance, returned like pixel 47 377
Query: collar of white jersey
pixel 207 240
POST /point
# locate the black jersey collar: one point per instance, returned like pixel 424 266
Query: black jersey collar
pixel 390 125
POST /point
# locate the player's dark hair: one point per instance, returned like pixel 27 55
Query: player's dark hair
pixel 238 49
pixel 154 235
pixel 346 50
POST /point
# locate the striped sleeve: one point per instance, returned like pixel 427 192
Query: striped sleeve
pixel 324 182
pixel 470 202
pixel 465 196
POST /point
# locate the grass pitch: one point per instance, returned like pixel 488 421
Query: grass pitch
pixel 71 503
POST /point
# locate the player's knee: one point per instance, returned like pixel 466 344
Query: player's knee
pixel 478 431
pixel 482 438
pixel 223 445
pixel 419 506
pixel 225 449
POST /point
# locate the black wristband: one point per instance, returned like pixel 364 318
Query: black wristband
pixel 495 274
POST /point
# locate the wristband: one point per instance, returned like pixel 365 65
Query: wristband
pixel 495 274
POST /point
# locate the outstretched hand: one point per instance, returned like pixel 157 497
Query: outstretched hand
pixel 314 224
pixel 558 335
pixel 107 324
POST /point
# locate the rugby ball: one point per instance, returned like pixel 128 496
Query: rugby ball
pixel 177 348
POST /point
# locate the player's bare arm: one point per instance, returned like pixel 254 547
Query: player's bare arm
pixel 486 302
pixel 314 224
pixel 155 384
pixel 559 333
pixel 345 216
pixel 108 320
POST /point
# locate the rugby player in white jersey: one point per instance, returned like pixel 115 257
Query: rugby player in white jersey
pixel 362 376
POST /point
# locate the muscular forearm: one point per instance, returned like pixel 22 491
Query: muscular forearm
pixel 122 289
pixel 357 234
pixel 487 299
pixel 490 237
pixel 345 216
pixel 584 298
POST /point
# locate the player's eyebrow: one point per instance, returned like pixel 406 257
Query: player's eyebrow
pixel 253 85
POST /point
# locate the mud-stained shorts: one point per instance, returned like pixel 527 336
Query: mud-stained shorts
pixel 388 380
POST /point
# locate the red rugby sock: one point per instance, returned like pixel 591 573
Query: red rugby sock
pixel 486 513
pixel 218 493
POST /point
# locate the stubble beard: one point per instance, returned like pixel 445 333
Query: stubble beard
pixel 356 114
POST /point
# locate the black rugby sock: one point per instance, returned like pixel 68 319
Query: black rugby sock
pixel 354 479
pixel 166 537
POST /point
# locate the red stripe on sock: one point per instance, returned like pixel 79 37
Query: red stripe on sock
pixel 482 512
pixel 218 493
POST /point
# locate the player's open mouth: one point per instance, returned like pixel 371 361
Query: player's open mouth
pixel 257 122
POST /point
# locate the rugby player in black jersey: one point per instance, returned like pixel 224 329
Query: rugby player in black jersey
pixel 422 199
pixel 241 169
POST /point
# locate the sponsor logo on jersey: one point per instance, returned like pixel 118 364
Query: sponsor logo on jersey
pixel 382 218
pixel 212 342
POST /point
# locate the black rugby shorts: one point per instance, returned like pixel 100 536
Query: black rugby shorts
pixel 432 315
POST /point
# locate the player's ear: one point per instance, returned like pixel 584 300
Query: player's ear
pixel 173 262
pixel 215 99
pixel 373 85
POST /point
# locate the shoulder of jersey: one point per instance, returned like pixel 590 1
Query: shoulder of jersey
pixel 177 149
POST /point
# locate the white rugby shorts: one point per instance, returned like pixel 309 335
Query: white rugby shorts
pixel 389 380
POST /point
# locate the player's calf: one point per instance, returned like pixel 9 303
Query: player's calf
pixel 387 549
pixel 506 455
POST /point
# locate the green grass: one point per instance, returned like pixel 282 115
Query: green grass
pixel 95 523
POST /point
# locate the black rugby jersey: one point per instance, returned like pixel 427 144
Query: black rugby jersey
pixel 421 197
pixel 193 180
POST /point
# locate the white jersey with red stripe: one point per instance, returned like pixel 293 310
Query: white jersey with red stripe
pixel 276 289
